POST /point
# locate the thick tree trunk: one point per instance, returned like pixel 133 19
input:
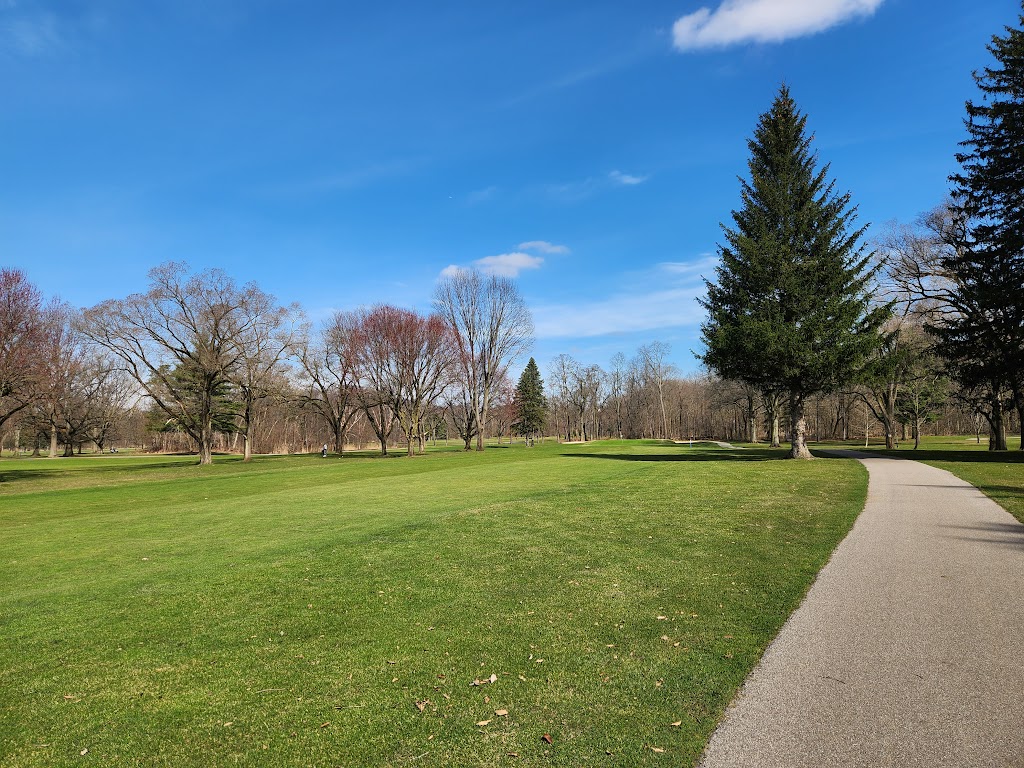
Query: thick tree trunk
pixel 339 438
pixel 997 427
pixel 479 431
pixel 246 447
pixel 798 428
pixel 206 442
pixel 53 441
pixel 1018 398
pixel 751 419
pixel 917 433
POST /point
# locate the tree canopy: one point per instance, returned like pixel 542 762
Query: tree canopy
pixel 791 307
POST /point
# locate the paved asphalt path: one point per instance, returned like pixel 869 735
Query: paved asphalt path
pixel 909 648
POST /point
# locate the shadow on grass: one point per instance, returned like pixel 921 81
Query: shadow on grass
pixel 694 454
pixel 12 474
pixel 997 457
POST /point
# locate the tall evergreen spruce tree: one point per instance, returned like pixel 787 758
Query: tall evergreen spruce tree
pixel 982 340
pixel 791 308
pixel 530 404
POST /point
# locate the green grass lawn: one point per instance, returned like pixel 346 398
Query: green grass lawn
pixel 308 612
pixel 998 474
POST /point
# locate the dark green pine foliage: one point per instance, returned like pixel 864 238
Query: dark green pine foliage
pixel 530 405
pixel 791 308
pixel 189 388
pixel 983 340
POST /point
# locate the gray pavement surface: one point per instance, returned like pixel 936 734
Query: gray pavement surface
pixel 907 651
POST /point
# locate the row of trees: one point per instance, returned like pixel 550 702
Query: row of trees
pixel 799 308
pixel 899 394
pixel 389 376
pixel 208 356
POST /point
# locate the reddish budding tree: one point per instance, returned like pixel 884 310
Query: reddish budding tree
pixel 404 361
pixel 22 332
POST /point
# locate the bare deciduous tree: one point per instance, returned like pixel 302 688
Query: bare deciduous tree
pixel 492 326
pixel 328 371
pixel 183 341
pixel 268 335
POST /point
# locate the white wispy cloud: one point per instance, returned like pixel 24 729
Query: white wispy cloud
pixel 30 35
pixel 625 178
pixel 452 270
pixel 575 191
pixel 542 246
pixel 671 303
pixel 764 21
pixel 508 264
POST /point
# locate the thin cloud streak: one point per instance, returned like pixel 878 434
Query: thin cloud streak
pixel 764 21
pixel 672 306
pixel 627 179
pixel 543 246
pixel 31 36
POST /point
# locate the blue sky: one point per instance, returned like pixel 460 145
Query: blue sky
pixel 342 154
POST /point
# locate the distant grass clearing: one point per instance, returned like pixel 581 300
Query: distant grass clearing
pixel 317 613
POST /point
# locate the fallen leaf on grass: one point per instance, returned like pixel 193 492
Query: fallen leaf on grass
pixel 229 723
pixel 663 618
pixel 484 722
pixel 421 705
pixel 512 754
pixel 501 712
pixel 324 725
pixel 659 750
pixel 84 751
pixel 677 723
pixel 546 737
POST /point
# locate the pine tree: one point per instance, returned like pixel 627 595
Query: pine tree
pixel 791 308
pixel 982 339
pixel 530 405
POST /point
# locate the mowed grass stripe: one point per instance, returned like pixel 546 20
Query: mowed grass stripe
pixel 362 588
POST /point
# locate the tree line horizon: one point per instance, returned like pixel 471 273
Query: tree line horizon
pixel 928 325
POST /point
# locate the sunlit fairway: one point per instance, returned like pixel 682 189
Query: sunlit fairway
pixel 308 612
